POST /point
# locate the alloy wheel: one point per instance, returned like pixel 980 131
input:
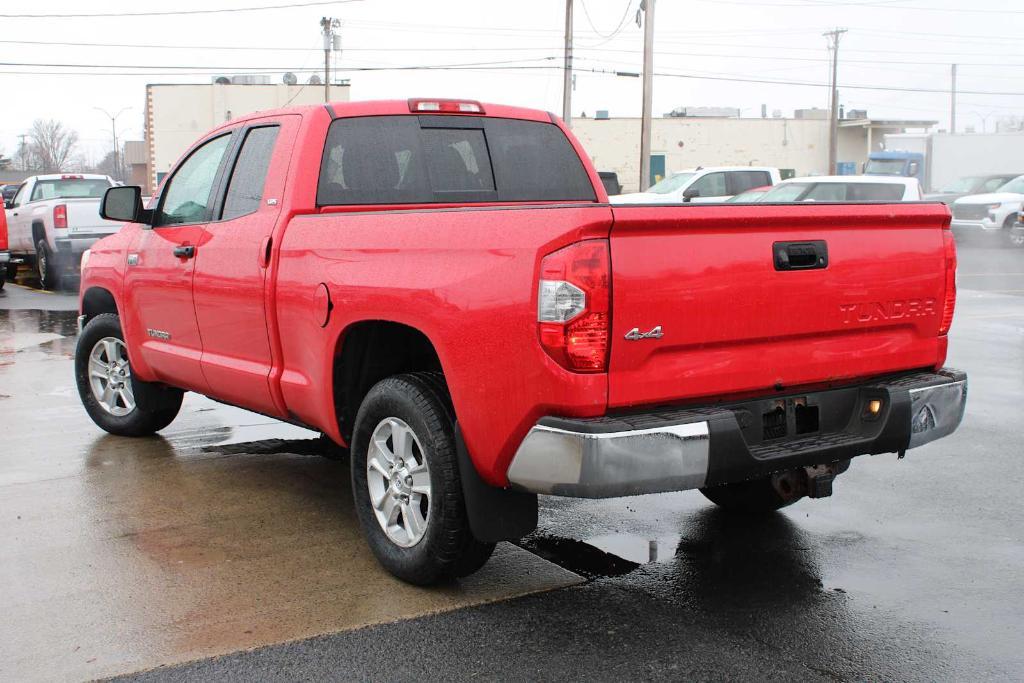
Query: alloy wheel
pixel 398 479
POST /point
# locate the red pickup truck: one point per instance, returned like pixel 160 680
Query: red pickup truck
pixel 442 287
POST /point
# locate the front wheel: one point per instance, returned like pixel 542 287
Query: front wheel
pixel 115 401
pixel 406 485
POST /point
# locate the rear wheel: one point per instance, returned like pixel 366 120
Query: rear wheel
pixel 406 484
pixel 115 401
pixel 46 266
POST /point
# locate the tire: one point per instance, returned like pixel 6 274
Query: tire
pixel 1008 237
pixel 46 266
pixel 135 408
pixel 757 496
pixel 3 276
pixel 433 542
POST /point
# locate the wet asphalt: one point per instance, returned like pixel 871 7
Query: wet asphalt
pixel 912 570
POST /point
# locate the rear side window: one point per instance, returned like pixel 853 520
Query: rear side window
pixel 245 189
pixel 436 159
pixel 744 180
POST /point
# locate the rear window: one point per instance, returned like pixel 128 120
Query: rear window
pixel 437 159
pixel 69 188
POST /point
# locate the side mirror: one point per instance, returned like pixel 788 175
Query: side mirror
pixel 125 204
pixel 9 204
pixel 912 170
pixel 690 193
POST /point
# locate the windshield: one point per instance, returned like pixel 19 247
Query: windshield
pixel 1016 185
pixel 748 196
pixel 885 167
pixel 70 188
pixel 785 192
pixel 671 184
pixel 966 184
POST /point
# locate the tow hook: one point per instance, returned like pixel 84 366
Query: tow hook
pixel 819 480
pixel 814 481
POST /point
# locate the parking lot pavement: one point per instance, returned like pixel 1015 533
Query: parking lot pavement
pixel 911 571
pixel 225 533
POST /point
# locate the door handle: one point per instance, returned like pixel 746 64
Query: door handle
pixel 185 251
pixel 810 255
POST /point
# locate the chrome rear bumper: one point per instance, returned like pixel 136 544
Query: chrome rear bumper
pixel 679 449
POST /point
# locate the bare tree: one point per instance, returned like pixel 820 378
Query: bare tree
pixel 51 144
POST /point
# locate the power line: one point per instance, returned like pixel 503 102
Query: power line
pixel 617 29
pixel 877 6
pixel 510 65
pixel 167 13
pixel 735 55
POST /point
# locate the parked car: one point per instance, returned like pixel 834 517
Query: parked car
pixel 610 180
pixel 968 185
pixel 754 194
pixel 845 188
pixel 988 218
pixel 54 218
pixel 386 273
pixel 7 192
pixel 714 184
pixel 5 254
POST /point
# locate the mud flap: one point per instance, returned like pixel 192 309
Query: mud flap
pixel 494 514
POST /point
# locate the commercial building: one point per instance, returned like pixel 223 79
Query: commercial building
pixel 177 114
pixel 678 142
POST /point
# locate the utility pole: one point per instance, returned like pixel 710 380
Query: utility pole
pixel 329 28
pixel 567 71
pixel 645 122
pixel 952 100
pixel 833 113
pixel 23 152
pixel 118 175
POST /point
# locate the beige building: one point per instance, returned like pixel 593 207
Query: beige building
pixel 176 115
pixel 800 145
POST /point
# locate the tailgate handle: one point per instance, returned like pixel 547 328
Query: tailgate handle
pixel 800 255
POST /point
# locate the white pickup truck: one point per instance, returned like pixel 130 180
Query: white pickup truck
pixel 53 219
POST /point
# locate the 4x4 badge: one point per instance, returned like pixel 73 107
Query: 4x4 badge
pixel 635 334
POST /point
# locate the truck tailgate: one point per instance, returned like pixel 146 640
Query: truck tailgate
pixel 733 323
pixel 84 217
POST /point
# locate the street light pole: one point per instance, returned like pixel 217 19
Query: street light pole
pixel 118 175
pixel 329 26
pixel 645 122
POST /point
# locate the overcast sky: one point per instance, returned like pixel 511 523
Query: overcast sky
pixel 509 49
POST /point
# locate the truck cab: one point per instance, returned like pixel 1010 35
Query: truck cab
pixel 902 164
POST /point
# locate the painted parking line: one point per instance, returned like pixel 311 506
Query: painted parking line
pixel 126 554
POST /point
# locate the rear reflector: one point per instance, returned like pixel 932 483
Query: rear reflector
pixel 446 106
pixel 949 300
pixel 60 216
pixel 573 306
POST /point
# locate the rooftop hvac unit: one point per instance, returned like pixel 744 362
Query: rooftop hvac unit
pixel 250 79
pixel 602 115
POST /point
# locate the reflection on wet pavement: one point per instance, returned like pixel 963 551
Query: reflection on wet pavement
pixel 222 533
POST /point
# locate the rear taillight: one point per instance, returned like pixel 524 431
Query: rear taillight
pixel 574 306
pixel 60 216
pixel 949 301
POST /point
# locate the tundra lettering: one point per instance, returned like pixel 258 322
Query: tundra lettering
pixel 887 310
pixel 442 288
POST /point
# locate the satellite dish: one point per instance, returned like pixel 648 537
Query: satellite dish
pixel 290 78
pixel 315 80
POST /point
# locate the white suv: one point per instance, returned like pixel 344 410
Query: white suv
pixel 988 217
pixel 715 184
